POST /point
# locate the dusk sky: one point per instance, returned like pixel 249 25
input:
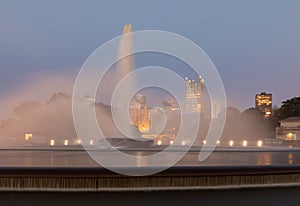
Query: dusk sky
pixel 254 44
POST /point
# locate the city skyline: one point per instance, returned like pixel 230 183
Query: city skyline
pixel 253 53
pixel 129 102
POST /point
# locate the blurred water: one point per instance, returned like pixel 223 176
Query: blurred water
pixel 49 157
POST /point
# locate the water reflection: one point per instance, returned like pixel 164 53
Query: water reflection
pixel 80 158
pixel 265 159
pixel 141 162
pixel 290 157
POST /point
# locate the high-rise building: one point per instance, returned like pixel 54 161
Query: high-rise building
pixel 263 102
pixel 171 103
pixel 138 112
pixel 215 110
pixel 194 95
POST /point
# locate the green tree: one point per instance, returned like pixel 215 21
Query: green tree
pixel 289 108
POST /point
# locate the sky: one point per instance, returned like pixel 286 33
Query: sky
pixel 254 44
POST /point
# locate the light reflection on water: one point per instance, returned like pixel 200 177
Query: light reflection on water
pixel 79 158
pixel 265 159
pixel 291 161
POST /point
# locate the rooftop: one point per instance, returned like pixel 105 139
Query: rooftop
pixel 291 119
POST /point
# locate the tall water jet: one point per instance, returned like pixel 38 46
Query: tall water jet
pixel 126 61
pixel 125 65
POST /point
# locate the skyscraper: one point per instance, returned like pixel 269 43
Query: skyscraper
pixel 263 102
pixel 139 113
pixel 194 95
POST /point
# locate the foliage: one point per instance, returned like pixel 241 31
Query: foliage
pixel 289 108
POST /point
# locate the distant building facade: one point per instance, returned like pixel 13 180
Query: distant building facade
pixel 138 112
pixel 194 95
pixel 289 129
pixel 263 102
pixel 147 119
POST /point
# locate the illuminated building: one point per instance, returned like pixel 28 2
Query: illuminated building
pixel 139 113
pixel 173 116
pixel 215 110
pixel 194 92
pixel 289 129
pixel 263 102
pixel 157 119
pixel 172 104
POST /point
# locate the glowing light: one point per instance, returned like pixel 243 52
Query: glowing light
pixel 171 142
pixel 289 136
pixel 204 142
pixel 28 136
pixel 291 158
pixel 78 141
pixel 259 143
pixel 144 126
pixel 66 142
pixel 183 142
pixel 245 143
pixel 231 143
pixel 91 142
pixel 159 142
pixel 52 142
pixel 218 142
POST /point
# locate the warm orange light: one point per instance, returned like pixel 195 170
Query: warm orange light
pixel 91 142
pixel 52 142
pixel 159 142
pixel 144 127
pixel 260 143
pixel 28 136
pixel 245 143
pixel 289 136
pixel 231 143
pixel 66 142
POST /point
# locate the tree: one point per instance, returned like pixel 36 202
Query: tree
pixel 232 128
pixel 254 124
pixel 290 108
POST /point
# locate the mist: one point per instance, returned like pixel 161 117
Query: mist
pixel 248 125
pixel 40 110
pixel 39 88
pixel 51 120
